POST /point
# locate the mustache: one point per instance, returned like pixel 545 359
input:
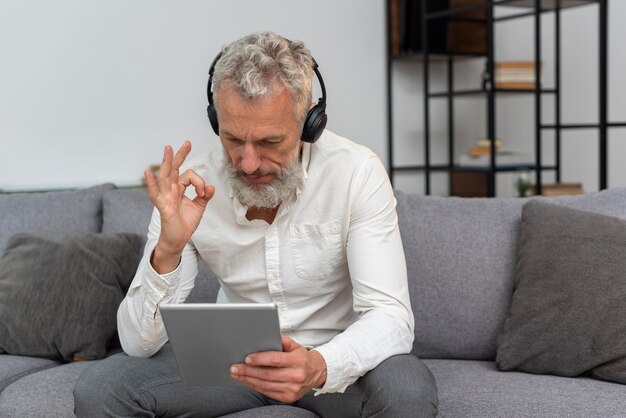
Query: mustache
pixel 258 172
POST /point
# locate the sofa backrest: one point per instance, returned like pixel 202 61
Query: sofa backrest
pixel 461 256
pixel 460 252
pixel 51 215
pixel 130 211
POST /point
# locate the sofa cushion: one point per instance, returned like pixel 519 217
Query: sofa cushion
pixel 47 393
pixel 460 256
pixel 51 215
pixel 13 368
pixel 59 300
pixel 568 315
pixel 477 389
pixel 130 211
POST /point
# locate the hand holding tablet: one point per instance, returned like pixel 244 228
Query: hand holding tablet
pixel 207 339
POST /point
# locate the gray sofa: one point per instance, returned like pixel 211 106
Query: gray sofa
pixel 461 257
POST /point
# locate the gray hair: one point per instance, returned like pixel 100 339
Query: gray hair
pixel 257 64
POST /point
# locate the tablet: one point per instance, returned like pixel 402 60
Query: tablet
pixel 207 338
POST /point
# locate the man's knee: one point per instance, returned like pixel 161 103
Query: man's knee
pixel 403 386
pixel 93 386
pixel 99 385
pixel 423 392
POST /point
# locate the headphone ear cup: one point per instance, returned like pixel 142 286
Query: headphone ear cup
pixel 212 114
pixel 315 123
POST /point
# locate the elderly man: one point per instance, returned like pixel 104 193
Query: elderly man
pixel 280 216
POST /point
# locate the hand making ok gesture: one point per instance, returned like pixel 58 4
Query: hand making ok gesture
pixel 180 215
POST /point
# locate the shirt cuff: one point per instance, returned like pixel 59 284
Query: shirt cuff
pixel 162 283
pixel 340 368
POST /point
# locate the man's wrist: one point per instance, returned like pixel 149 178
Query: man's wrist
pixel 164 262
pixel 319 365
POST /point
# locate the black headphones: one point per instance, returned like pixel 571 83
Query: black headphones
pixel 315 120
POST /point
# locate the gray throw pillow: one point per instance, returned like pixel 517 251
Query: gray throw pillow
pixel 59 300
pixel 568 312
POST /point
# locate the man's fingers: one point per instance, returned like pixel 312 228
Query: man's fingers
pixel 178 160
pixel 270 359
pixel 268 386
pixel 270 374
pixel 279 375
pixel 153 191
pixel 166 164
pixel 209 191
pixel 289 344
pixel 284 392
pixel 190 177
pixel 163 180
pixel 181 154
pixel 168 172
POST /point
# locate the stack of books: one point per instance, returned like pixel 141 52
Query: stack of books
pixel 559 189
pixel 515 75
pixel 504 159
pixel 479 156
pixel 483 147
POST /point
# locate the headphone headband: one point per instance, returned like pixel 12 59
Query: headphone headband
pixel 314 123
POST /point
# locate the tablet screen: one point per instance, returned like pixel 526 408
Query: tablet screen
pixel 207 338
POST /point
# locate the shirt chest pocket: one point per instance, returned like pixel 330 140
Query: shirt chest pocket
pixel 317 250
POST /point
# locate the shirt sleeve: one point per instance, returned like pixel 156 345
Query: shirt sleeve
pixel 139 321
pixel 377 266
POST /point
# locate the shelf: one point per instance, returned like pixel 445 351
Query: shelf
pixel 501 168
pixel 455 11
pixel 546 5
pixel 572 126
pixel 479 92
pixel 583 125
pixel 437 57
pixel 491 12
pixel 447 168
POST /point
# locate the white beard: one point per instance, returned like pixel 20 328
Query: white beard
pixel 266 196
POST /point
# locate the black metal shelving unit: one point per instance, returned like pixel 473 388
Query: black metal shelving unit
pixel 534 9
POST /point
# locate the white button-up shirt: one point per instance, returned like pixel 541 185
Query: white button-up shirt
pixel 332 261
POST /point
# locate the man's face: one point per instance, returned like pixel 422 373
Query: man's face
pixel 261 140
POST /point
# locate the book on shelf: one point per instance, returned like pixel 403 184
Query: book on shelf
pixel 558 189
pixel 483 147
pixel 512 75
pixel 503 159
pixel 515 86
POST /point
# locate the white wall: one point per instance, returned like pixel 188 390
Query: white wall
pixel 91 91
pixel 515 114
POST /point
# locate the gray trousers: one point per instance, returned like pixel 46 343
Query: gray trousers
pixel 123 386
